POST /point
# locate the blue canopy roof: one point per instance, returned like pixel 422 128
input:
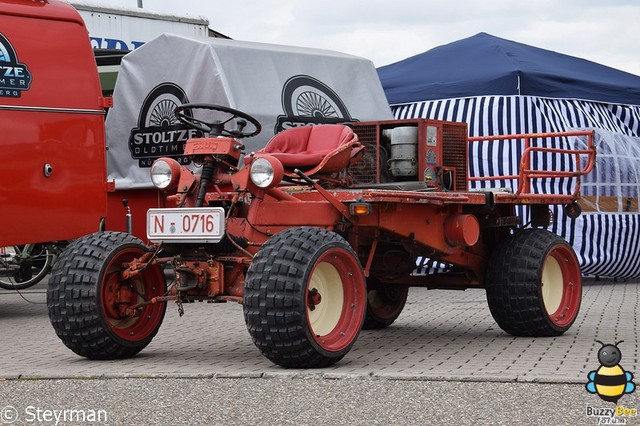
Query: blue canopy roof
pixel 487 65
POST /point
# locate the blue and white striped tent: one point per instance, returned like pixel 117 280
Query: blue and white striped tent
pixel 502 87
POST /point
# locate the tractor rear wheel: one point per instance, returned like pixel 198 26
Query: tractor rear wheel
pixel 534 285
pixel 88 299
pixel 304 298
pixel 385 303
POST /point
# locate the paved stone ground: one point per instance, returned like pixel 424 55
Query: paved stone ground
pixel 441 335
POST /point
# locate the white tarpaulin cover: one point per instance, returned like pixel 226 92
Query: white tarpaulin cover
pixel 281 86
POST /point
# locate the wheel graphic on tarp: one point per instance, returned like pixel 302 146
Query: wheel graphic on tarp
pixel 159 105
pixel 306 96
pixel 313 104
pixel 159 132
pixel 306 100
pixel 162 115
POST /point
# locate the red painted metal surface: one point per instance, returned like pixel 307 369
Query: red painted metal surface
pixel 343 333
pixel 572 293
pixel 462 229
pixel 526 174
pixel 139 200
pixel 118 297
pixel 52 179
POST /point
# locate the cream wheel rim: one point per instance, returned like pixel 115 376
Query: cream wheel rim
pixel 552 285
pixel 325 315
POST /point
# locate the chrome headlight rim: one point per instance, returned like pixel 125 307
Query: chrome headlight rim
pixel 165 173
pixel 266 172
pixel 262 172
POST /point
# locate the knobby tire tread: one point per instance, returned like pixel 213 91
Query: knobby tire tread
pixel 273 305
pixel 72 298
pixel 513 291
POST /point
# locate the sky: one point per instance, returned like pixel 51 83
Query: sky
pixel 385 32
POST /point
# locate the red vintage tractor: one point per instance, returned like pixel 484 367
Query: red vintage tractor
pixel 316 235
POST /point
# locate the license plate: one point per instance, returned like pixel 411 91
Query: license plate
pixel 186 225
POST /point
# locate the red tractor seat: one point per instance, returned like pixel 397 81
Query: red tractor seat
pixel 320 149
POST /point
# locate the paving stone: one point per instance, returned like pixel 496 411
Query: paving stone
pixel 440 335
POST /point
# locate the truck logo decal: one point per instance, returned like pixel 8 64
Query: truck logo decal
pixel 306 101
pixel 14 76
pixel 159 133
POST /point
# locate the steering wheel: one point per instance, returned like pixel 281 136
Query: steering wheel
pixel 218 127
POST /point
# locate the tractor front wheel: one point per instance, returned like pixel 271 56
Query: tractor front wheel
pixel 89 300
pixel 534 284
pixel 304 298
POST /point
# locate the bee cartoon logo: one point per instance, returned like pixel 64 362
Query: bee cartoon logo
pixel 610 381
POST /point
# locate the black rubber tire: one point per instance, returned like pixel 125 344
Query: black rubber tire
pixel 515 284
pixel 385 303
pixel 79 286
pixel 278 307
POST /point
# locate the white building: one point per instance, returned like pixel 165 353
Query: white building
pixel 127 28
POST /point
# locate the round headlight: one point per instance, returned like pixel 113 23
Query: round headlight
pixel 262 173
pixel 165 173
pixel 266 172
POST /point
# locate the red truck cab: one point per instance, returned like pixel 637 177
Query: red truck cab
pixel 52 144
